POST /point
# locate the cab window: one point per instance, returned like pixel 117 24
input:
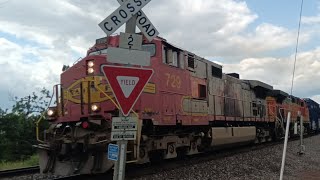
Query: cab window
pixel 149 48
pixel 172 57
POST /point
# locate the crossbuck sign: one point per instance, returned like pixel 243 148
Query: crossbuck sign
pixel 121 15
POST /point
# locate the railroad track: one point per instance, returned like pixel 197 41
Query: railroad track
pixel 136 171
pixel 19 172
pixel 33 170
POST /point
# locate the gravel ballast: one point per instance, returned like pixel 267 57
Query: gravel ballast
pixel 264 163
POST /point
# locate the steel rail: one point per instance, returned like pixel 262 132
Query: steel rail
pixel 19 172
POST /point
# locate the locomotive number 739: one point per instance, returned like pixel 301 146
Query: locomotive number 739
pixel 173 80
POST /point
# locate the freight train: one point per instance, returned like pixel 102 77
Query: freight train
pixel 189 106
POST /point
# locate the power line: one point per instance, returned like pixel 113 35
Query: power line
pixel 289 113
pixel 295 57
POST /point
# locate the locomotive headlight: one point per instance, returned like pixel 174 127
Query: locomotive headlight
pixel 90 70
pixel 90 64
pixel 50 112
pixel 95 108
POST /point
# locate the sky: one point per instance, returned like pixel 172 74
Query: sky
pixel 255 38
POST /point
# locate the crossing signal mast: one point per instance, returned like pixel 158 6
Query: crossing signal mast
pixel 127 83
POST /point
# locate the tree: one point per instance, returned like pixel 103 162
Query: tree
pixel 33 104
pixel 17 127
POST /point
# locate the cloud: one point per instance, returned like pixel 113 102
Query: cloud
pixel 278 72
pixel 310 20
pixel 219 28
pixel 316 98
pixel 44 35
pixel 22 74
pixel 265 37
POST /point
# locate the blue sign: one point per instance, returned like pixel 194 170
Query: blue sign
pixel 113 152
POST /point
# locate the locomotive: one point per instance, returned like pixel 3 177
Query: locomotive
pixel 189 106
pixel 314 115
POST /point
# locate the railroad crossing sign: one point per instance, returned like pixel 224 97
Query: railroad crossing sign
pixel 121 15
pixel 127 84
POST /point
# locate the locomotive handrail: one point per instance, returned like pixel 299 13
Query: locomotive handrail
pixel 77 60
pixel 41 117
pixel 37 129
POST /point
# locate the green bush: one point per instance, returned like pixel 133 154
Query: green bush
pixel 17 127
pixel 31 161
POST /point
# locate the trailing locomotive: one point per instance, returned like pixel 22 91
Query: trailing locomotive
pixel 314 113
pixel 189 106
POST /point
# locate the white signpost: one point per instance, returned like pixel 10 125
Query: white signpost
pixel 129 52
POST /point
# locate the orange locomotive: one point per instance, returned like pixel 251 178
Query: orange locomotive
pixel 188 106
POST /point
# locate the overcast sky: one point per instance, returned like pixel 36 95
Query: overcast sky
pixel 255 38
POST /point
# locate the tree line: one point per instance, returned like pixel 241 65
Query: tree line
pixel 17 125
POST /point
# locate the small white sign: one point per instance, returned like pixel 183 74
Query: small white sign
pixel 127 84
pixel 123 135
pixel 126 56
pixel 121 15
pixel 124 123
pixel 130 41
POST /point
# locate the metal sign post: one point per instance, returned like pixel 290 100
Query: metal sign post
pixel 285 145
pixel 120 166
pixel 302 147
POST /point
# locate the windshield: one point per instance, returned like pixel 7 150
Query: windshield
pixel 98 52
pixel 150 48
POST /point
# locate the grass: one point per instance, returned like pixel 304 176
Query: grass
pixel 32 161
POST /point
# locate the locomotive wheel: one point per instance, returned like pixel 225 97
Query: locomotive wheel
pixel 142 153
pixel 171 148
pixel 156 156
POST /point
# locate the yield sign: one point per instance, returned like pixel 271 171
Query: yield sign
pixel 127 83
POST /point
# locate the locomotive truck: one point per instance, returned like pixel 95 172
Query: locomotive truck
pixel 189 106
